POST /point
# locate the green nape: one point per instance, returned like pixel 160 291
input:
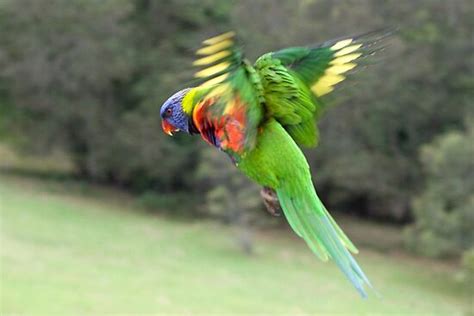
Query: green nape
pixel 191 98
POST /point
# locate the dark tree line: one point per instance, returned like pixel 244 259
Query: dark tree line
pixel 88 77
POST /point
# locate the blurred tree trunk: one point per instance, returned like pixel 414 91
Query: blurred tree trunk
pixel 231 196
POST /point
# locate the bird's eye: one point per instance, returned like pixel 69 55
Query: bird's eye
pixel 169 111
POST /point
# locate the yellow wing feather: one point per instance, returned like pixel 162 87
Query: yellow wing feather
pixel 217 62
pixel 344 54
pixel 214 81
pixel 347 50
pixel 219 38
pixel 341 44
pixel 208 50
pixel 340 69
pixel 211 58
pixel 213 70
pixel 345 59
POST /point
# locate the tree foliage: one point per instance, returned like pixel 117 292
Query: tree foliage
pixel 88 77
pixel 421 85
pixel 444 216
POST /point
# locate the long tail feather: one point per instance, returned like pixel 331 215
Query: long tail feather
pixel 310 220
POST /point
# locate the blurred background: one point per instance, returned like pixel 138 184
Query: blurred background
pixel 103 213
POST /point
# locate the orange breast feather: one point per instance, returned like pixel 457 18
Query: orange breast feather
pixel 223 129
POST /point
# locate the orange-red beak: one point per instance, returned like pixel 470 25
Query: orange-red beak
pixel 168 128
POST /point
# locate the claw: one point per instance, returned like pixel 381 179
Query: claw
pixel 270 200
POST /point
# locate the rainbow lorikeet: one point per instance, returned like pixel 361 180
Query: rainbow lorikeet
pixel 260 114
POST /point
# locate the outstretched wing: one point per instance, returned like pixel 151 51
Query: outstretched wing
pixel 295 78
pixel 230 111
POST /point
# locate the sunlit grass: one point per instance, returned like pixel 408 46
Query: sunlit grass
pixel 71 253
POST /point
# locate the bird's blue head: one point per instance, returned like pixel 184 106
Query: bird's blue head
pixel 173 117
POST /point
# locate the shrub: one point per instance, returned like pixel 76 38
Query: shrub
pixel 444 211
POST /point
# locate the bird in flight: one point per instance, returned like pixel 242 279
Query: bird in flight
pixel 261 115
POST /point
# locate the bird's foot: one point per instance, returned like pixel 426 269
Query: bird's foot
pixel 270 199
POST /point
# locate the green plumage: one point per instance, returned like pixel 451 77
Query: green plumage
pixel 288 99
pixel 278 163
pixel 280 99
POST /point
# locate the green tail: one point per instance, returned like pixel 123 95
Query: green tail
pixel 311 221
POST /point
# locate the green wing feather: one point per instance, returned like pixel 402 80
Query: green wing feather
pixel 294 79
pixel 288 99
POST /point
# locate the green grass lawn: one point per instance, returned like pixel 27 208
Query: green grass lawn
pixel 76 253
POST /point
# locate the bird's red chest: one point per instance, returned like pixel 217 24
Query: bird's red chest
pixel 227 130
